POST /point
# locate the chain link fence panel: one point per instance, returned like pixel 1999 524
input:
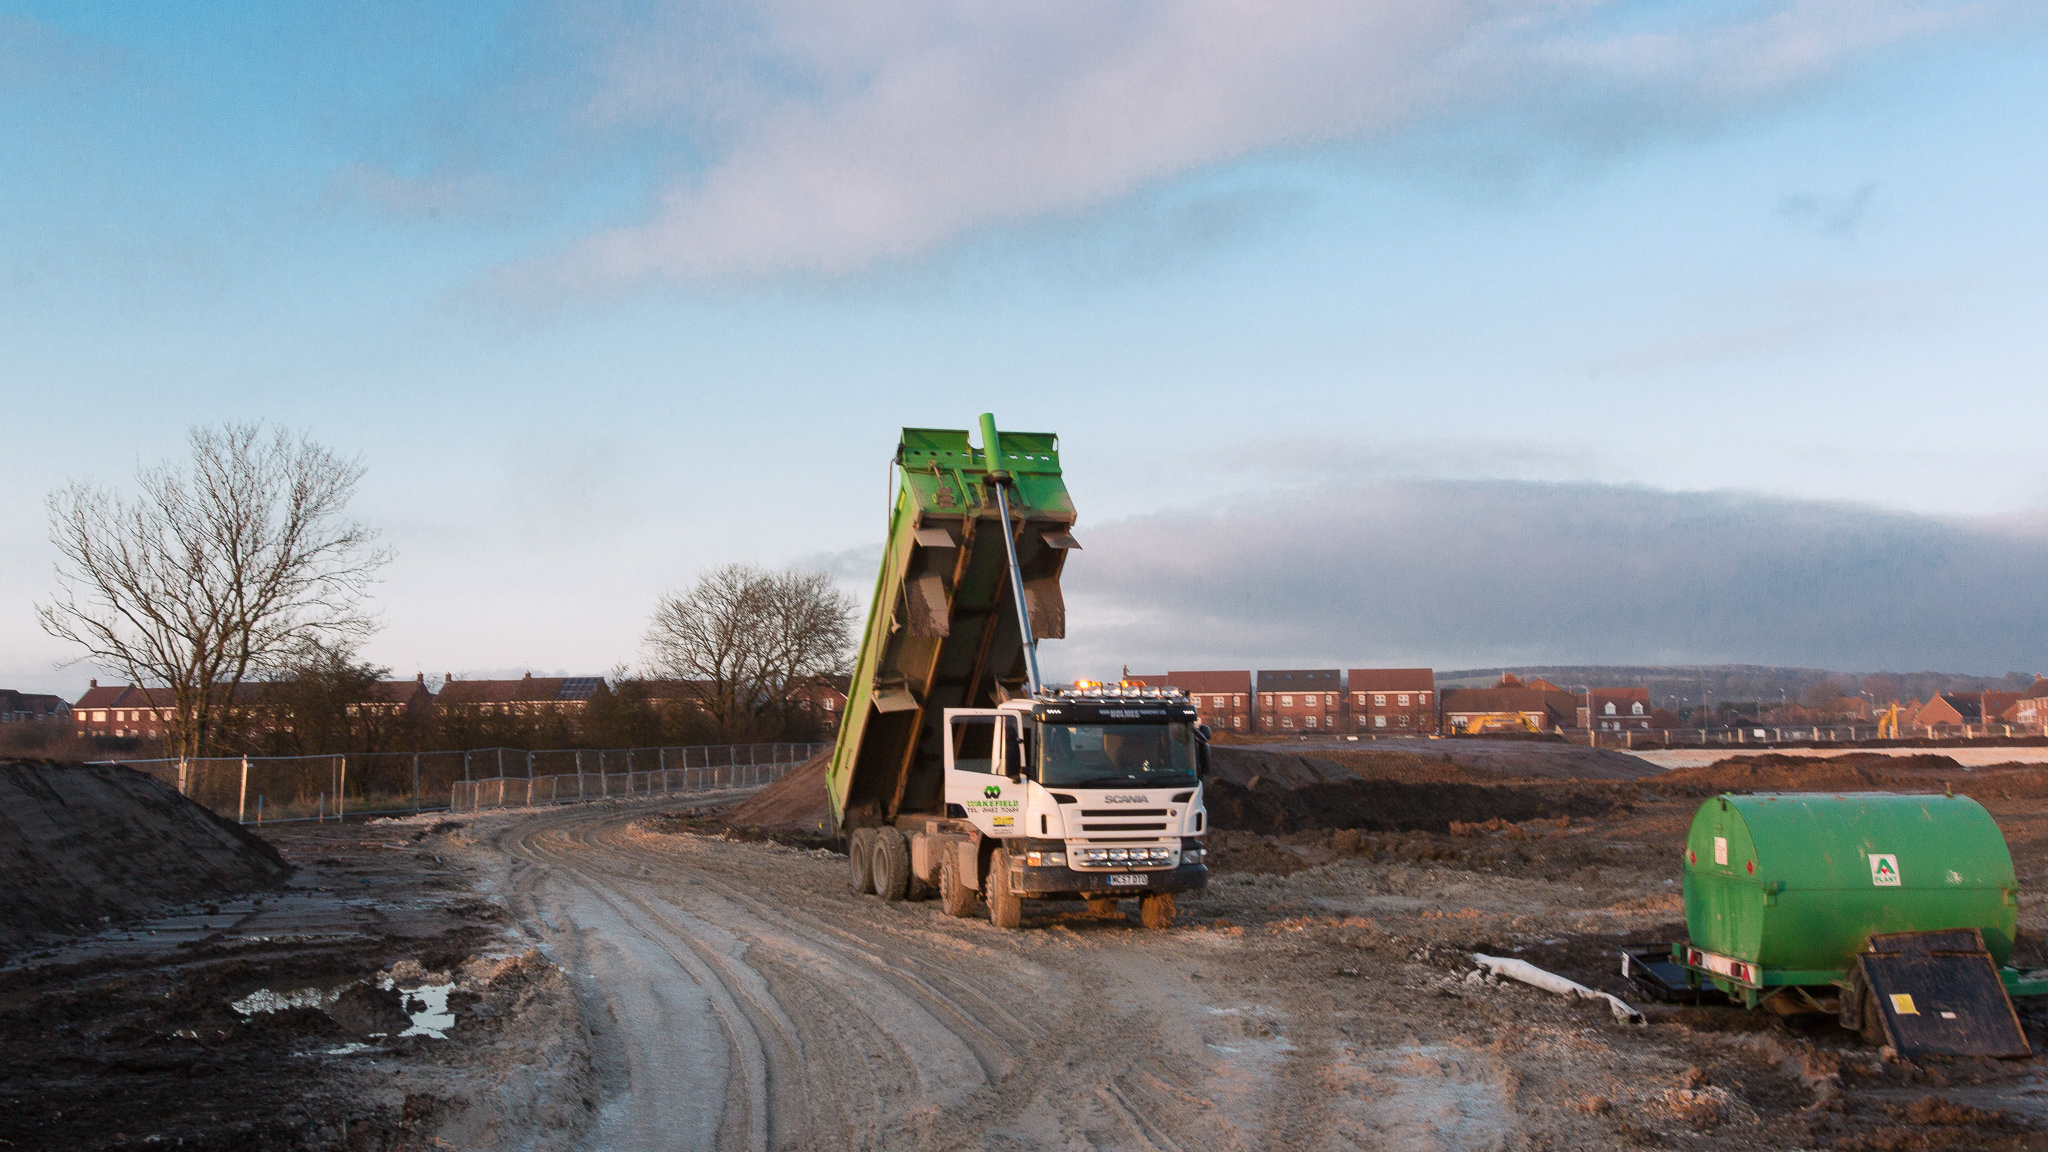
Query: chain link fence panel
pixel 270 789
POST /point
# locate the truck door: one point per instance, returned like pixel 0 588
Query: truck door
pixel 977 780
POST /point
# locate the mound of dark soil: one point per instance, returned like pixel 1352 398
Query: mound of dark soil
pixel 79 843
pixel 1400 806
pixel 1859 772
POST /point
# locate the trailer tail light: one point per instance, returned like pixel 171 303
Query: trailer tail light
pixel 1728 966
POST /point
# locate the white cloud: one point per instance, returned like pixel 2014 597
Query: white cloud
pixel 1483 573
pixel 839 135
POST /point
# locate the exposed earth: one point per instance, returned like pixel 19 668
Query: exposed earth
pixel 689 974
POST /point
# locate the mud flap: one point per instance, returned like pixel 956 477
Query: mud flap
pixel 1932 998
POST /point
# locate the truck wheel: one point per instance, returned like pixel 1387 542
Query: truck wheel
pixel 892 864
pixel 1005 907
pixel 1156 910
pixel 860 854
pixel 955 898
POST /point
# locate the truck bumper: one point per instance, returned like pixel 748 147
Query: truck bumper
pixel 1043 882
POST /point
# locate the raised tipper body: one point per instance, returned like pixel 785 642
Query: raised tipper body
pixel 956 770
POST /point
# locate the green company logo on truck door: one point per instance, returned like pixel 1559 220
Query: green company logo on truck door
pixel 992 791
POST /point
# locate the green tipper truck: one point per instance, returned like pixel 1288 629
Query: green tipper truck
pixel 956 770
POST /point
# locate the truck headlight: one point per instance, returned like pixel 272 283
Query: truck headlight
pixel 1045 859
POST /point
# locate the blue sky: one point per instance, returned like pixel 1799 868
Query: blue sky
pixel 609 293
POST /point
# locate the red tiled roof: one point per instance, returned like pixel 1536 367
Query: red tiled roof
pixel 1298 680
pixel 396 692
pixel 1212 682
pixel 1504 700
pixel 527 689
pixel 1622 695
pixel 1393 679
pixel 114 696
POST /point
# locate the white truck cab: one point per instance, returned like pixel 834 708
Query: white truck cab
pixel 1093 794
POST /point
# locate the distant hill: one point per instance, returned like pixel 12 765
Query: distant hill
pixel 1681 686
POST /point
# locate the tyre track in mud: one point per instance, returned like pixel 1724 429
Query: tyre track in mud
pixel 739 997
pixel 843 1022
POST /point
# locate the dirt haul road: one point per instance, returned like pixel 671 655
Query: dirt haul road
pixel 738 997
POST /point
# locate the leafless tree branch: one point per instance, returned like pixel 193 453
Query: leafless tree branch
pixel 216 573
pixel 750 638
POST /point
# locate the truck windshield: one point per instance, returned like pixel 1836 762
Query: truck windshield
pixel 1116 755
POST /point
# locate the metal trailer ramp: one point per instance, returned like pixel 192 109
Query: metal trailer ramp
pixel 1657 975
pixel 1933 994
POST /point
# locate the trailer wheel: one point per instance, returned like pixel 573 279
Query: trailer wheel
pixel 1005 906
pixel 891 868
pixel 1156 910
pixel 860 855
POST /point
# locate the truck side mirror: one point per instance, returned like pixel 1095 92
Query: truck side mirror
pixel 1202 759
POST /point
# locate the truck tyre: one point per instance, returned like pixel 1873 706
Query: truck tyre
pixel 860 855
pixel 955 898
pixel 1156 910
pixel 891 868
pixel 1005 907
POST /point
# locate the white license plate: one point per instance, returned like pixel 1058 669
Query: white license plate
pixel 1129 880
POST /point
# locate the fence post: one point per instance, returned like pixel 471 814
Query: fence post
pixel 416 784
pixel 341 787
pixel 242 798
pixel 184 774
pixel 465 766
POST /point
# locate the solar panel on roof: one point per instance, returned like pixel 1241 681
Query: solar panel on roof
pixel 579 687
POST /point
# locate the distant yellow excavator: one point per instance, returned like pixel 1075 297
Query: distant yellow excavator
pixel 1500 722
pixel 1888 723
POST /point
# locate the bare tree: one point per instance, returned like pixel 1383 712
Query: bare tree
pixel 749 638
pixel 215 574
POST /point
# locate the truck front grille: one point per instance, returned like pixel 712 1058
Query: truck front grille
pixel 1123 811
pixel 1123 827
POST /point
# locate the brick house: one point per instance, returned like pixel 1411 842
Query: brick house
pixel 1997 706
pixel 823 698
pixel 2031 711
pixel 1392 701
pixel 396 697
pixel 123 711
pixel 1222 700
pixel 1949 710
pixel 1292 701
pixel 1617 710
pixel 529 695
pixel 1545 708
pixel 32 708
